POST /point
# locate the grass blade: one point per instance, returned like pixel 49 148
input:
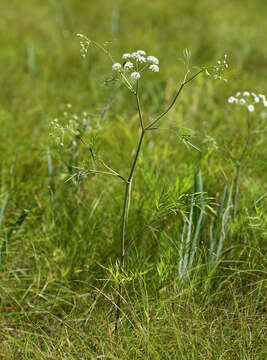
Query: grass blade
pixel 4 243
pixel 2 210
pixel 224 224
pixel 199 185
pixel 188 238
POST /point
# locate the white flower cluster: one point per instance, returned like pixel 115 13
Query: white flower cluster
pixel 248 99
pixel 70 126
pixel 132 61
pixel 84 43
pixel 135 75
pixel 217 71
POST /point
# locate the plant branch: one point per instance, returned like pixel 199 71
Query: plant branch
pixel 138 105
pixel 175 98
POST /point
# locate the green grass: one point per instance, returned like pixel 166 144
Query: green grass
pixel 60 240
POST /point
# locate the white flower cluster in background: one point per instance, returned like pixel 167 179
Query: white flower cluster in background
pixel 216 72
pixel 84 44
pixel 250 100
pixel 136 62
pixel 70 126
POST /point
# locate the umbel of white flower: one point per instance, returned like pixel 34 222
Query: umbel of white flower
pixel 135 75
pixel 154 68
pixel 216 72
pixel 116 66
pixel 250 100
pixel 128 65
pixel 137 62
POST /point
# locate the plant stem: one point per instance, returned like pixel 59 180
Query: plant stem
pixel 139 106
pixel 123 229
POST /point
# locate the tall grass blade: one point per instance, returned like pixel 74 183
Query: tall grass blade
pixel 211 245
pixel 188 237
pixel 220 209
pixel 31 62
pixel 115 22
pixel 63 14
pixel 200 218
pixel 214 229
pixel 4 243
pixel 2 210
pixel 224 229
pixel 50 171
pixel 182 249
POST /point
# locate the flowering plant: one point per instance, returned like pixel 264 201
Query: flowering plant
pixel 252 102
pixel 248 100
pixel 130 70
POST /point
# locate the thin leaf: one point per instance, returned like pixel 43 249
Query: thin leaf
pixel 188 238
pixel 2 210
pixel 200 218
pixel 224 224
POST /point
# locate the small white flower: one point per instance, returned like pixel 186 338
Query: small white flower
pixel 81 36
pixel 126 56
pixel 135 75
pixel 238 93
pixel 256 99
pixel 242 101
pixel 141 52
pixel 261 96
pixel 154 68
pixel 265 103
pixel 141 59
pixel 134 55
pixel 128 65
pixel 251 108
pixel 246 93
pixel 232 100
pixel 116 66
pixel 219 62
pixel 153 59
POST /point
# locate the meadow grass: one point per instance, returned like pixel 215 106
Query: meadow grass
pixel 60 239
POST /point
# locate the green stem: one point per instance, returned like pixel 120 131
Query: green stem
pixel 123 229
pixel 139 106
